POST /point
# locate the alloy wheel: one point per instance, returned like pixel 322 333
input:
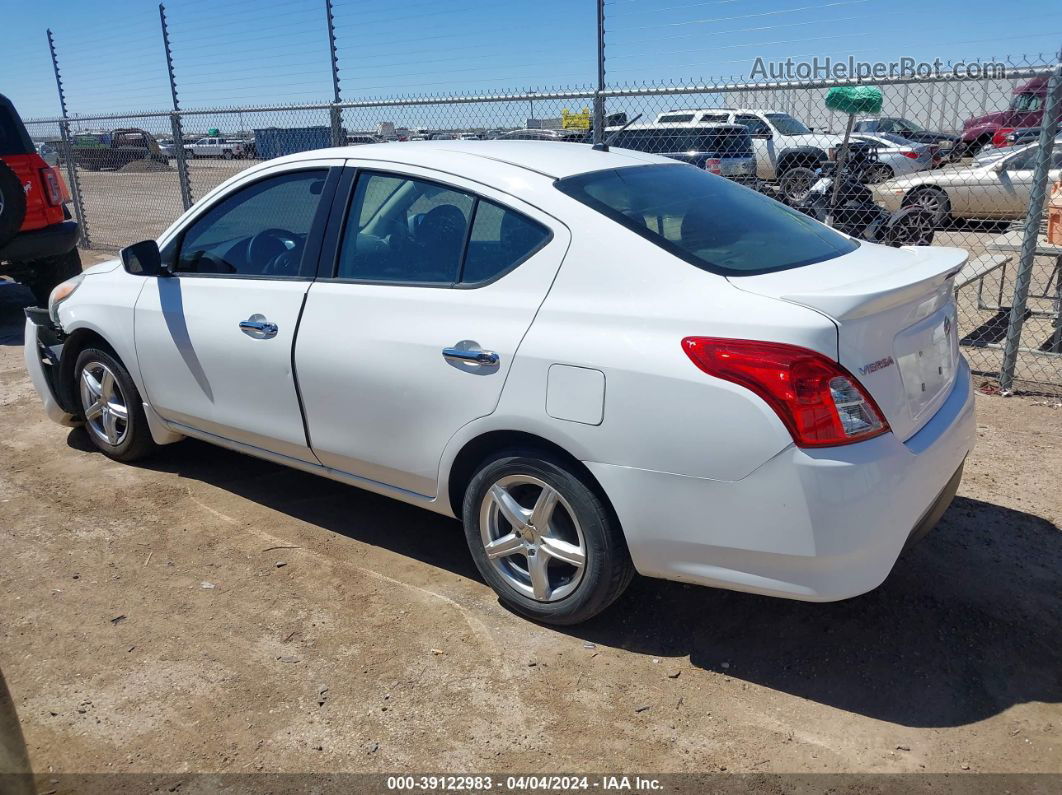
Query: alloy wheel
pixel 532 538
pixel 104 404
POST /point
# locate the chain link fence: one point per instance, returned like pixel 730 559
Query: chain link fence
pixel 966 150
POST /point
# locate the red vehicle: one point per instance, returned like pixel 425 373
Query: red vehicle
pixel 1026 110
pixel 38 239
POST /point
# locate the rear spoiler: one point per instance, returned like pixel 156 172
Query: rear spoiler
pixel 930 267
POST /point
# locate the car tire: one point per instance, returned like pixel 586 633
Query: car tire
pixel 879 172
pixel 933 200
pixel 47 273
pixel 226 155
pixel 563 573
pixel 111 406
pixel 796 183
pixel 12 203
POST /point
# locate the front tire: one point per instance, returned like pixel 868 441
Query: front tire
pixel 111 406
pixel 932 200
pixel 543 539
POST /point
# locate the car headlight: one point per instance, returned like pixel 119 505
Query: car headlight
pixel 60 293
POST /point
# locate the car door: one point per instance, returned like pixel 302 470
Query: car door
pixel 762 143
pixel 410 335
pixel 1010 183
pixel 214 341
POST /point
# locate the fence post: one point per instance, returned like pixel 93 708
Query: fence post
pixel 334 112
pixel 68 153
pixel 599 95
pixel 1048 129
pixel 175 117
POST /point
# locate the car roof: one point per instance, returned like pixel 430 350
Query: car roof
pixel 477 159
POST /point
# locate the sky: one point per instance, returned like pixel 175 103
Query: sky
pixel 247 52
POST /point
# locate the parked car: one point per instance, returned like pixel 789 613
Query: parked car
pixel 1026 110
pixel 948 145
pixel 358 139
pixel 38 239
pixel 570 136
pixel 991 154
pixel 94 151
pixel 896 156
pixel 724 149
pixel 1000 189
pixel 226 148
pixel 602 362
pixel 1007 136
pixel 48 153
pixel 780 141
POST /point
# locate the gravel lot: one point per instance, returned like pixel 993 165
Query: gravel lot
pixel 205 611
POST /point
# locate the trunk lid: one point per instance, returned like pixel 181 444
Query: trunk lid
pixel 895 315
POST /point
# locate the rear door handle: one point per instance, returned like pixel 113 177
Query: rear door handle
pixel 483 358
pixel 258 327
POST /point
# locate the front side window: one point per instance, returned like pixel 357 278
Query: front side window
pixel 757 127
pixel 411 231
pixel 260 230
pixel 787 125
pixel 710 222
pixel 1027 102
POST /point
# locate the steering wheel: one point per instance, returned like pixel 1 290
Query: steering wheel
pixel 270 246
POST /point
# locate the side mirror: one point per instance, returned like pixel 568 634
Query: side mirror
pixel 143 259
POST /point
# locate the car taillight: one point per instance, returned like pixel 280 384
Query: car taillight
pixel 1000 137
pixel 51 186
pixel 713 166
pixel 819 402
pixel 911 155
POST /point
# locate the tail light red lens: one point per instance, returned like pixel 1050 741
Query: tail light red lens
pixel 819 402
pixel 999 138
pixel 911 155
pixel 713 166
pixel 51 186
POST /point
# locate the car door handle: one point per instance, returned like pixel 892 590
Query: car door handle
pixel 484 358
pixel 258 327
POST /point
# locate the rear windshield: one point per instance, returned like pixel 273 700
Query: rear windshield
pixel 708 221
pixel 723 142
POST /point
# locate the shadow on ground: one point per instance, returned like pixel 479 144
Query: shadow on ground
pixel 13 299
pixel 968 624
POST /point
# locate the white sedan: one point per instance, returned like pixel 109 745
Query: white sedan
pixel 600 362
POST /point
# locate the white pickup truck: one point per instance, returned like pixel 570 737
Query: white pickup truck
pixel 779 141
pixel 215 147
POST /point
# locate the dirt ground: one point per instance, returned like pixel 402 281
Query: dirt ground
pixel 204 611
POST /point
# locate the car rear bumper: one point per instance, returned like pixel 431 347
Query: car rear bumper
pixel 814 525
pixel 48 241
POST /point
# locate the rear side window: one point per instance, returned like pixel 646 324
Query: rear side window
pixel 708 221
pixel 501 239
pixel 13 138
pixel 412 231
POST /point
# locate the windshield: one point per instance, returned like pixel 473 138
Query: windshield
pixel 708 221
pixel 787 125
pixel 1027 102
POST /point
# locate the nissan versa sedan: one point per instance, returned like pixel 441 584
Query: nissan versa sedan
pixel 601 362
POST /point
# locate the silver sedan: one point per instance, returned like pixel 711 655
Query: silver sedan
pixel 999 189
pixel 897 156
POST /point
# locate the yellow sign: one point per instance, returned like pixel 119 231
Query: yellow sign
pixel 575 121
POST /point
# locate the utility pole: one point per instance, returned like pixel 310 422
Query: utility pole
pixel 175 117
pixel 68 151
pixel 599 95
pixel 338 139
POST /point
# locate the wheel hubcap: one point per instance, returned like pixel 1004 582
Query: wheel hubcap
pixel 532 538
pixel 106 412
